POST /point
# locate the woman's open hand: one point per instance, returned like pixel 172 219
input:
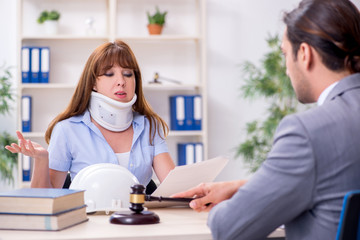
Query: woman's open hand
pixel 27 147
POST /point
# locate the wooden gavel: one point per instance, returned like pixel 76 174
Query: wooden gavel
pixel 137 215
pixel 138 198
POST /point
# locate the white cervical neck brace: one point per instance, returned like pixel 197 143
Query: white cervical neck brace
pixel 111 114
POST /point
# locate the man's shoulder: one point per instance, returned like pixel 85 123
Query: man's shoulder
pixel 309 120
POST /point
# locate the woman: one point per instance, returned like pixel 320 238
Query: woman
pixel 108 120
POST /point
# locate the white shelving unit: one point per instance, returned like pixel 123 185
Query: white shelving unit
pixel 179 53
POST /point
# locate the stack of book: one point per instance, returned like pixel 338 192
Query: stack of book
pixel 42 209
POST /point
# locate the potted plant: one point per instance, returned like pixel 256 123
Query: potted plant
pixel 50 20
pixel 270 82
pixel 8 160
pixel 156 21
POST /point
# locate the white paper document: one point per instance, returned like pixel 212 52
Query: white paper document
pixel 182 178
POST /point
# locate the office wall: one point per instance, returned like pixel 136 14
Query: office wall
pixel 237 30
pixel 232 40
pixel 8 53
pixel 8 57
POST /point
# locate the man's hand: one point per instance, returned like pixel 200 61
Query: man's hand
pixel 209 194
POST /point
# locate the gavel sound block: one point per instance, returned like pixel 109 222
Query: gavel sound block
pixel 137 215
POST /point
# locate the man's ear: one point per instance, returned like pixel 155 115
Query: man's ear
pixel 305 55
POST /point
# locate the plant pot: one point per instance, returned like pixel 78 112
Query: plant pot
pixel 51 27
pixel 154 29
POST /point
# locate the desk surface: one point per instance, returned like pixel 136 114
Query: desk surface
pixel 175 223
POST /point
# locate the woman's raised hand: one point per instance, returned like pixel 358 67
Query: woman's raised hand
pixel 27 147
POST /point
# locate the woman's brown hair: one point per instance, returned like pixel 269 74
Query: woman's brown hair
pixel 103 58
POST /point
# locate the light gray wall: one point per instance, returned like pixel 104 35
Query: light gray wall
pixel 233 39
pixel 8 53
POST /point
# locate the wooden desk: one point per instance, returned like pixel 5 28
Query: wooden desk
pixel 175 223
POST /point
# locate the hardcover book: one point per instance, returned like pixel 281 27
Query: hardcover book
pixel 46 222
pixel 40 200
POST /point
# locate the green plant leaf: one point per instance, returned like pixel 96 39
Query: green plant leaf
pixel 48 15
pixel 6 94
pixel 54 15
pixel 8 160
pixel 157 18
pixel 271 82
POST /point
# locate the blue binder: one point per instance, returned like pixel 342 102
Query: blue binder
pixel 26 168
pixel 185 112
pixel 199 152
pixel 186 153
pixel 189 112
pixel 190 152
pixel 35 64
pixel 44 65
pixel 26 103
pixel 177 112
pixel 25 64
pixel 197 112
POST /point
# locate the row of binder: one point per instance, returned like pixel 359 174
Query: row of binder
pixel 35 64
pixel 190 152
pixel 185 112
pixel 26 113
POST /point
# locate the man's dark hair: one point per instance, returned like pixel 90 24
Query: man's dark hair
pixel 332 27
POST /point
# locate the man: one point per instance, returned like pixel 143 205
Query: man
pixel 315 157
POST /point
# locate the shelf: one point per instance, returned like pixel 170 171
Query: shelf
pixel 179 53
pixel 125 38
pixel 47 86
pixel 26 184
pixel 171 134
pixel 185 133
pixel 169 87
pixel 64 37
pixel 159 38
pixel 152 87
pixel 33 134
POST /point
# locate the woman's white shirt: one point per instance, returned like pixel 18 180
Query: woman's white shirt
pixel 123 159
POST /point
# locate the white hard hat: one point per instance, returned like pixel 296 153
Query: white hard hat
pixel 107 187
